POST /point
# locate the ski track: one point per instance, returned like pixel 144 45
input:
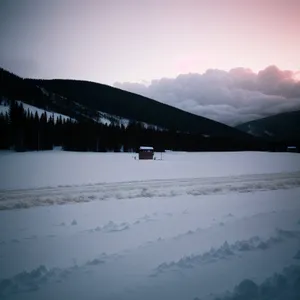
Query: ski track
pixel 16 199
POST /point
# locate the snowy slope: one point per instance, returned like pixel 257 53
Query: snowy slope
pixel 109 119
pixel 33 109
pixel 192 226
pixel 103 118
pixel 4 109
pixel 283 126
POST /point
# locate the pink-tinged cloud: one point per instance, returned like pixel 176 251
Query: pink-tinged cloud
pixel 232 97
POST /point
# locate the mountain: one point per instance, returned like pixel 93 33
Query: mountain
pixel 94 103
pixel 284 127
pixel 13 87
pixel 131 106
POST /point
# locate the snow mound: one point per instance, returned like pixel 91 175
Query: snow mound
pixel 30 281
pixel 74 222
pixel 227 250
pixel 284 286
pixel 27 281
pixel 95 262
pixel 112 226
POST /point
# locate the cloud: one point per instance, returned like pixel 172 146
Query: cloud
pixel 233 97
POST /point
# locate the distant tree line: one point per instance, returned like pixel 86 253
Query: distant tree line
pixel 22 130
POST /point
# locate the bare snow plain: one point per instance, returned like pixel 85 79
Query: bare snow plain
pixel 191 226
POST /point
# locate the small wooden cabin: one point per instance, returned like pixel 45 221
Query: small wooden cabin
pixel 146 152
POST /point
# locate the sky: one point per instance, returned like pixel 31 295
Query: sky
pixel 138 45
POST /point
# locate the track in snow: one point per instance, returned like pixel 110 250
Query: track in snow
pixel 14 199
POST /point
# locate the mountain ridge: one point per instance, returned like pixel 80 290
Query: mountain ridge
pixel 94 103
pixel 128 105
pixel 280 127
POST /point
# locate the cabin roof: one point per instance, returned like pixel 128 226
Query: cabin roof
pixel 146 148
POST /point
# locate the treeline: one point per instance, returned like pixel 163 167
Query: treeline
pixel 22 130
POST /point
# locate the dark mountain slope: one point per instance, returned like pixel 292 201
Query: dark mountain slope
pixel 13 87
pixel 281 127
pixel 135 107
pixel 83 100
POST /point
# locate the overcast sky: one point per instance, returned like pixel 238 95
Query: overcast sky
pixel 118 42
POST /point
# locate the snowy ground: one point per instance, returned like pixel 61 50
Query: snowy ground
pixel 192 226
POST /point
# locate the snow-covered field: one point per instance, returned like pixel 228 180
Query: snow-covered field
pixel 190 226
